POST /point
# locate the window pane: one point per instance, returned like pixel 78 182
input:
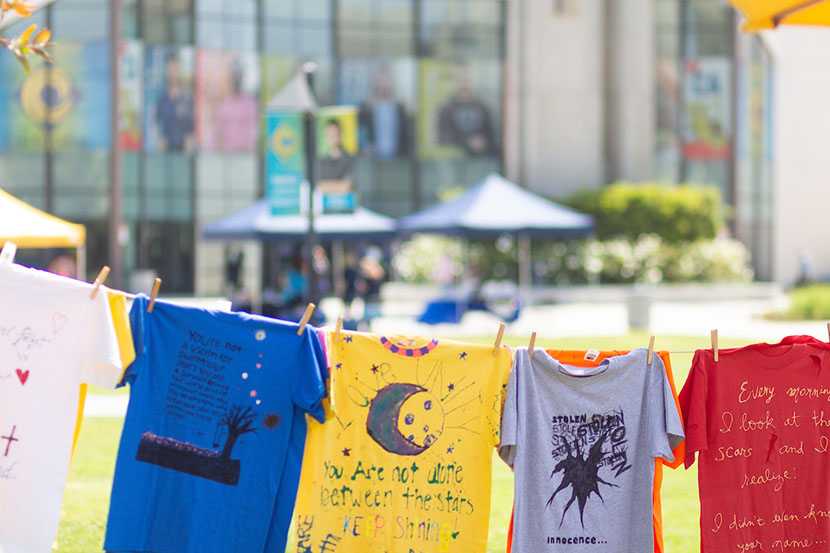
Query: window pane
pixel 81 185
pixel 22 175
pixel 167 21
pixel 80 21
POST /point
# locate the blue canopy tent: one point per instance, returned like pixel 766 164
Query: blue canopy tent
pixel 255 222
pixel 496 206
pixel 493 207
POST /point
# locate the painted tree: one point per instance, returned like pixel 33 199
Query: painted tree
pixel 239 422
pixel 25 44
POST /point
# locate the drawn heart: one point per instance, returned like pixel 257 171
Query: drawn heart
pixel 23 376
pixel 58 322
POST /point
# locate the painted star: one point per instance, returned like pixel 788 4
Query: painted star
pixel 450 449
pixel 339 366
pixel 375 368
pixel 463 355
pixel 346 451
pixel 414 467
pixel 451 387
pixel 348 339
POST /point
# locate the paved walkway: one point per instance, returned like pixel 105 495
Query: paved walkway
pixel 740 319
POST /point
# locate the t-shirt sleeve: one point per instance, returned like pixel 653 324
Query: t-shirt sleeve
pixel 308 386
pixel 509 417
pixel 679 450
pixel 665 426
pixel 693 406
pixel 102 364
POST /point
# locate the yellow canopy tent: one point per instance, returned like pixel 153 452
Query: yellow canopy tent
pixel 29 227
pixel 768 14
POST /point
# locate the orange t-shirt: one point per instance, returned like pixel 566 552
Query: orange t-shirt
pixel 576 358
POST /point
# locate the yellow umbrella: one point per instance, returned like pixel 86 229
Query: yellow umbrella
pixel 769 14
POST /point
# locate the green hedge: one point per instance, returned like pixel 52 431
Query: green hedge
pixel 676 214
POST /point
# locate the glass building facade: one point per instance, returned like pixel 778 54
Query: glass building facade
pixel 426 76
pixel 714 114
pixel 194 77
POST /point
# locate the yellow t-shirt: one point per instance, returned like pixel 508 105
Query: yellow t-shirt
pixel 121 322
pixel 403 461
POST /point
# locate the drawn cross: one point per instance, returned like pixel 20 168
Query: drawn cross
pixel 9 439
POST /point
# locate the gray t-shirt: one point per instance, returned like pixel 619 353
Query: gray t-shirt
pixel 582 444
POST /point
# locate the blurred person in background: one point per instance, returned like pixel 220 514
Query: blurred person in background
pixel 322 269
pixel 372 274
pixel 293 285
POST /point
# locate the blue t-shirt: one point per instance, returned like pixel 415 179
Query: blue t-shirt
pixel 287 494
pixel 210 429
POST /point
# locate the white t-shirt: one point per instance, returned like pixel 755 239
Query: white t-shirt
pixel 53 337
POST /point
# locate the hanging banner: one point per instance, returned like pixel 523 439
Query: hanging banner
pixel 707 126
pixel 68 99
pixel 336 150
pixel 284 162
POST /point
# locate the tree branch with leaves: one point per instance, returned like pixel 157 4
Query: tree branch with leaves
pixel 24 45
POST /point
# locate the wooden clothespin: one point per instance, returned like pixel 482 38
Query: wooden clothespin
pixel 8 253
pixel 153 295
pixel 499 337
pixel 306 316
pixel 714 336
pixel 532 344
pixel 337 328
pixel 650 350
pixel 99 280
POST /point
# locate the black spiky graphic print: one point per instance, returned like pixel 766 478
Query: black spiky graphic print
pixel 589 451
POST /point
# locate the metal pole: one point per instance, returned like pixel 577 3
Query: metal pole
pixel 49 160
pixel 310 151
pixel 116 252
pixel 525 268
pixel 685 53
pixel 310 159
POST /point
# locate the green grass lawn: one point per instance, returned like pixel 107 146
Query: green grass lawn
pixel 86 500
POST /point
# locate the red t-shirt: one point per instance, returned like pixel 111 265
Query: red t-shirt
pixel 759 419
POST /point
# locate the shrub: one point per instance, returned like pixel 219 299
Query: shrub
pixel 809 303
pixel 429 258
pixel 647 260
pixel 718 260
pixel 676 214
pixel 620 260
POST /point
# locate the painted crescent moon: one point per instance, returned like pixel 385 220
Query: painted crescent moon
pixel 405 419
